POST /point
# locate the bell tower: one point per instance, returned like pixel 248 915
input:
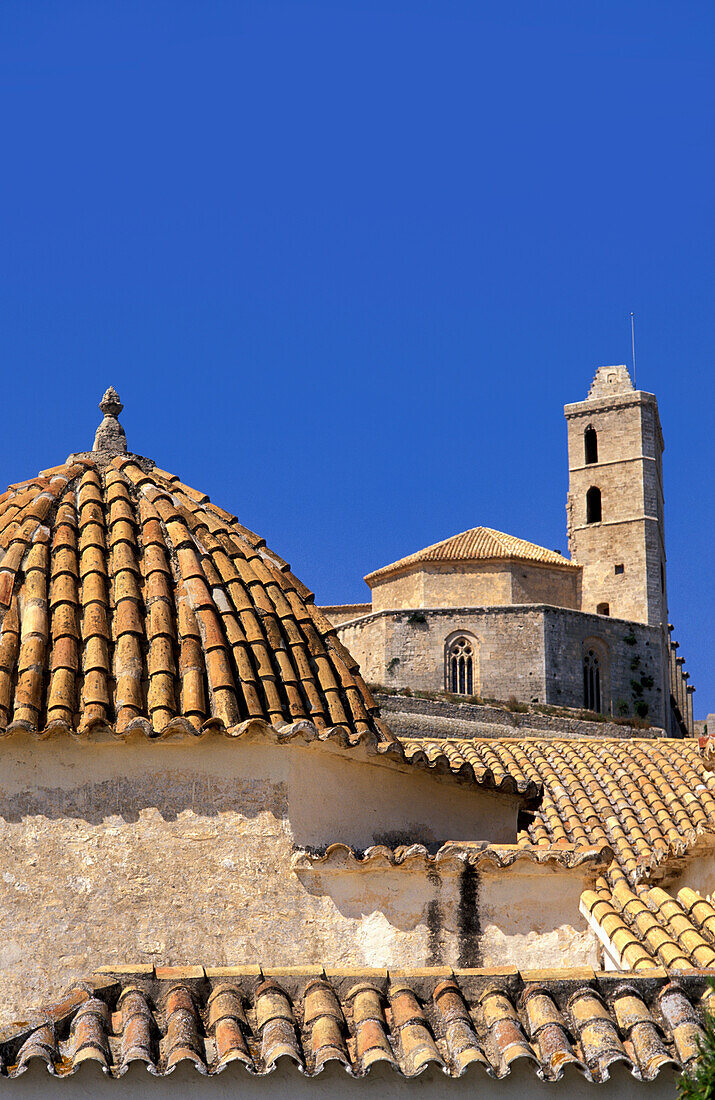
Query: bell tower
pixel 615 499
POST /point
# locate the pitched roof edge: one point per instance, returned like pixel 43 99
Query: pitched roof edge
pixel 505 551
pixel 477 855
pixel 257 729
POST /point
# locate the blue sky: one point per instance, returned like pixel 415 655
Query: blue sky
pixel 345 262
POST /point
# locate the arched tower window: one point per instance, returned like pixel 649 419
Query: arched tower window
pixel 592 680
pixel 593 505
pixel 590 445
pixel 460 666
pixel 603 609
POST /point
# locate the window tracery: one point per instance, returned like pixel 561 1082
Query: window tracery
pixel 460 666
pixel 592 681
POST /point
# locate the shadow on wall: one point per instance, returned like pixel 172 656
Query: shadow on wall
pixel 287 1083
pixel 170 794
pixel 447 901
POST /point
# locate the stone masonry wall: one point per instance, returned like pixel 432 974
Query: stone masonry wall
pixel 531 583
pixel 631 654
pixel 407 648
pixel 412 716
pixel 629 475
pixel 405 590
pixel 477 584
pixel 345 612
pixel 532 653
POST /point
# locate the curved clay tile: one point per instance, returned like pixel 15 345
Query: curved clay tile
pixel 127 598
pixel 477 544
pixel 545 1023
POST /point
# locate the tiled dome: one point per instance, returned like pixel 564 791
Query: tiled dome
pixel 128 599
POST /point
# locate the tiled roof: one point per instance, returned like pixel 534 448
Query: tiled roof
pixel 477 544
pixel 127 597
pixel 457 1021
pixel 480 855
pixel 648 800
pixel 643 927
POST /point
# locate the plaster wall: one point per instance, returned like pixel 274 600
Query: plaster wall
pixel 540 903
pixel 178 852
pixel 696 870
pixel 466 916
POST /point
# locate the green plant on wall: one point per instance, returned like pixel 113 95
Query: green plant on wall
pixel 639 683
pixel 699 1084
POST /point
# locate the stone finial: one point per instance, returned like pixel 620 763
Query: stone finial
pixel 110 438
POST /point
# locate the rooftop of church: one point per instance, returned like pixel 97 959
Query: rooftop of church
pixel 476 544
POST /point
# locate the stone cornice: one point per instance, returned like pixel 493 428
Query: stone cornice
pixel 607 404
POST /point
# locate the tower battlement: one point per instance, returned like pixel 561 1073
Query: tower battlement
pixel 610 380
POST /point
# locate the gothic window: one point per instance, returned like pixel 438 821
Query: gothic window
pixel 590 445
pixel 592 681
pixel 460 667
pixel 593 505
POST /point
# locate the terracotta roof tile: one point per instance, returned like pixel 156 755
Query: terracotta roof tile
pixel 144 601
pixel 477 854
pixel 477 544
pixel 648 800
pixel 408 1019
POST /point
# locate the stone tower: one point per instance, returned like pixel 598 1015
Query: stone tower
pixel 615 499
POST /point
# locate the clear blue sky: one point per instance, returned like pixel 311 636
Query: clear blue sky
pixel 346 261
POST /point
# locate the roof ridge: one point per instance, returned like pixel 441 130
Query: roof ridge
pixel 477 544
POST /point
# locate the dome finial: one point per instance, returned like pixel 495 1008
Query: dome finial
pixel 110 437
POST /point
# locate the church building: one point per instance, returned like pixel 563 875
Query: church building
pixel 230 868
pixel 484 614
